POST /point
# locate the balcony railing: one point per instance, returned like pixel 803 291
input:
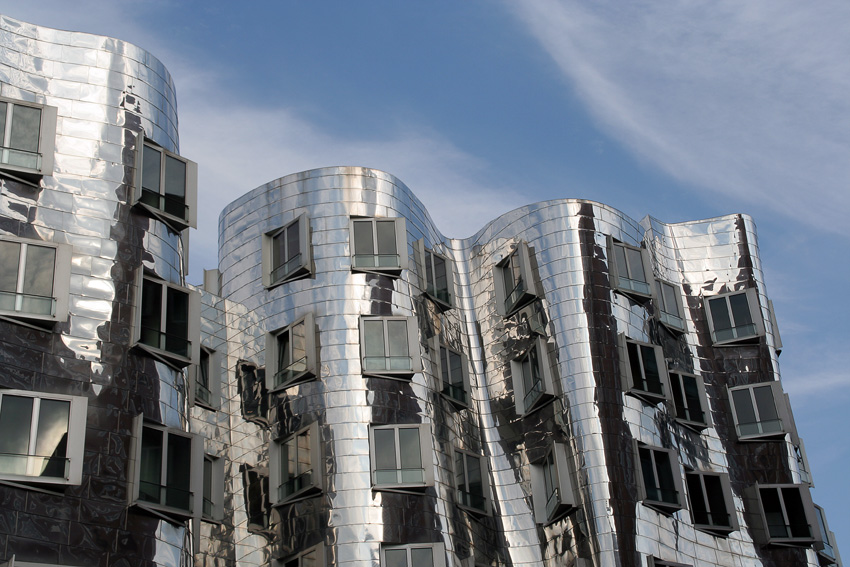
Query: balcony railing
pixel 739 332
pixel 399 476
pixel 766 427
pixel 35 465
pixel 295 484
pixel 20 158
pixel 291 372
pixel 377 261
pixel 170 205
pixel 712 519
pixel 387 363
pixel 441 294
pixel 471 500
pixel 672 320
pixel 666 495
pixel 455 393
pixel 533 394
pixel 552 503
pixel 286 268
pixel 27 303
pixel 636 286
pixel 793 530
pixel 175 344
pixel 163 495
pixel 514 295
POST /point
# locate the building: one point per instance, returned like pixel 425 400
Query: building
pixel 350 387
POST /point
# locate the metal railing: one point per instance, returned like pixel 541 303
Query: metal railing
pixel 286 375
pixel 636 286
pixel 736 332
pixel 441 294
pixel 666 495
pixel 713 519
pixel 765 427
pixel 552 502
pixel 377 261
pixel 399 476
pixel 514 295
pixel 164 495
pixel 295 484
pixel 387 363
pixel 455 393
pixel 20 158
pixel 27 303
pixel 533 394
pixel 168 342
pixel 165 203
pixel 35 465
pixel 286 268
pixel 471 500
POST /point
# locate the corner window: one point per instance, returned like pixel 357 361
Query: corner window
pixel 400 456
pixel 378 245
pixel 35 280
pixel 661 483
pixel 453 374
pixel 27 137
pixel 787 514
pixel 670 308
pixel 287 253
pixel 515 286
pixel 213 493
pixel 313 557
pixel 756 409
pixel 551 486
pixel 829 554
pixel 389 346
pixel 471 482
pixel 207 379
pixel 710 496
pixel 168 321
pixel 689 400
pixel 532 378
pixel 435 276
pixel 629 268
pixel 734 317
pixel 295 465
pixel 291 354
pixel 43 437
pixel 166 185
pixel 643 370
pixel 413 555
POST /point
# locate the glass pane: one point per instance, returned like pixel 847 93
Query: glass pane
pixel 15 422
pixel 473 475
pixel 10 256
pixel 304 463
pixel 745 411
pixel 670 304
pixel 648 472
pixel 386 237
pixel 38 270
pixel 716 501
pixel 3 109
pixel 456 369
pixel 678 399
pixel 697 498
pixel 178 472
pixel 421 557
pixel 283 352
pixel 622 264
pixel 151 313
pixel 635 265
pixel 373 336
pixel 720 316
pixel 207 480
pixel 408 443
pixel 693 398
pixel 26 125
pixel 204 371
pixel 396 557
pixel 460 473
pixel 52 436
pixel 299 342
pixel 634 365
pixel 765 404
pixel 293 240
pixel 772 507
pixel 397 332
pixel 151 169
pixel 385 458
pixel 440 279
pixel 740 309
pixel 310 559
pixel 150 475
pixel 178 322
pixel 363 243
pixel 175 187
pixel 666 484
pixel 650 367
pixel 278 255
pixel 444 365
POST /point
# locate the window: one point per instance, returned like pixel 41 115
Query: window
pixel 27 137
pixel 166 185
pixel 400 456
pixel 213 493
pixel 643 370
pixel 313 557
pixel 291 354
pixel 515 285
pixel 689 400
pixel 828 553
pixel 413 555
pixel 670 308
pixel 43 436
pixel 295 465
pixel 471 482
pixel 379 245
pixel 35 279
pixel 655 562
pixel 287 253
pixel 166 469
pixel 435 276
pixel 785 514
pixel 734 317
pixel 453 374
pixel 168 321
pixel 533 319
pixel 389 346
pixel 629 268
pixel 532 378
pixel 710 496
pixel 551 486
pixel 758 409
pixel 661 484
pixel 207 379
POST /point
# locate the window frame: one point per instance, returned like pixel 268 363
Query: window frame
pixel 400 228
pixel 485 508
pixel 425 257
pixel 213 358
pixel 216 502
pixel 755 314
pixel 780 407
pixel 61 280
pixel 177 224
pixel 829 551
pixel 424 430
pixel 438 552
pixel 320 560
pixel 799 453
pixel 678 385
pixel 662 506
pixel 630 386
pixel 728 503
pixel 46 141
pixel 669 320
pixel 547 379
pixel 761 528
pixel 545 510
pixel 621 283
pixel 304 268
pixel 413 347
pixel 314 483
pixel 521 254
pixel 447 389
pixel 311 358
pixel 74 450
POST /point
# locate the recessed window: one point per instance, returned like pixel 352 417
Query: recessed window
pixel 413 555
pixel 453 374
pixel 786 514
pixel 758 411
pixel 166 185
pixel 551 486
pixel 213 493
pixel 378 245
pixel 313 557
pixel 34 283
pixel 829 554
pixel 643 370
pixel 168 321
pixel 630 269
pixel 661 482
pixel 389 346
pixel 287 253
pixel 471 482
pixel 207 379
pixel 435 276
pixel 43 436
pixel 711 505
pixel 515 286
pixel 532 378
pixel 27 136
pixel 400 456
pixel 734 317
pixel 295 469
pixel 670 308
pixel 291 354
pixel 689 400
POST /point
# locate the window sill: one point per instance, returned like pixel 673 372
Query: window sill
pixel 174 360
pixel 666 508
pixel 176 224
pixel 167 513
pixel 696 426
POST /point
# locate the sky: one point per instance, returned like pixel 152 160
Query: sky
pixel 682 110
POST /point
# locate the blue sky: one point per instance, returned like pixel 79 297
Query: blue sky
pixel 679 110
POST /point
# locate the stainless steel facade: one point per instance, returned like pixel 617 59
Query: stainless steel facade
pixel 526 360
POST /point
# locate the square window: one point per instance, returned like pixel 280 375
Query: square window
pixel 712 508
pixel 759 411
pixel 472 482
pixel 35 281
pixel 313 557
pixel 514 280
pixel 389 346
pixel 213 493
pixel 287 253
pixel 643 370
pixel 552 486
pixel 378 245
pixel 43 437
pixel 291 354
pixel 629 268
pixel 400 456
pixel 690 402
pixel 671 312
pixel 532 378
pixel 166 185
pixel 660 479
pixel 435 276
pixel 295 469
pixel 453 374
pixel 206 379
pixel 413 555
pixel 27 137
pixel 168 321
pixel 829 553
pixel 784 514
pixel 734 317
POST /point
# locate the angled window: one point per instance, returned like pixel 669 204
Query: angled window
pixel 435 275
pixel 829 553
pixel 168 320
pixel 630 269
pixel 400 456
pixel 643 370
pixel 552 486
pixel 213 492
pixel 166 468
pixel 313 557
pixel 35 280
pixel 413 555
pixel 734 317
pixel 660 481
pixel 378 245
pixel 43 437
pixel 453 373
pixel 389 346
pixel 758 411
pixel 27 137
pixel 532 377
pixel 166 185
pixel 711 505
pixel 291 354
pixel 471 482
pixel 206 379
pixel 690 402
pixel 295 471
pixel 515 286
pixel 287 253
pixel 670 309
pixel 784 514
